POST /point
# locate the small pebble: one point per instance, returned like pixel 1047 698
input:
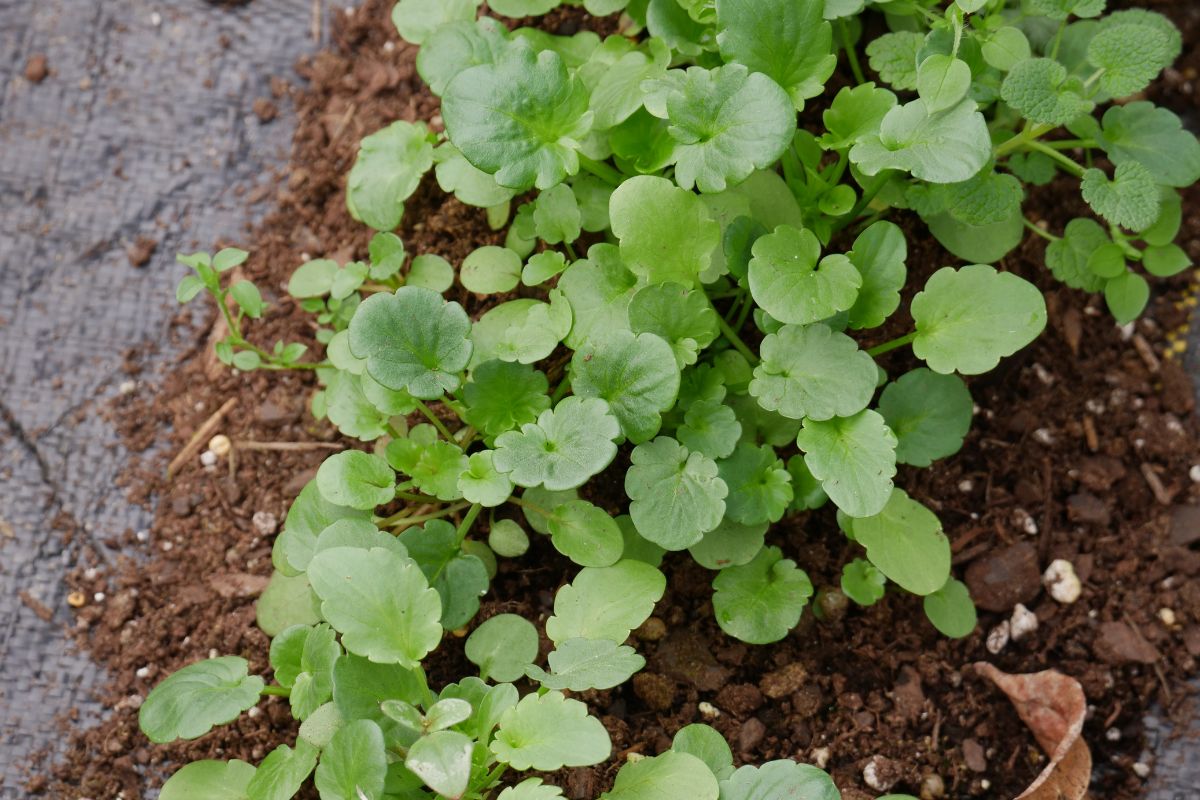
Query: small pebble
pixel 1023 622
pixel 933 788
pixel 142 536
pixel 127 387
pixel 91 573
pixel 253 712
pixel 1194 473
pixel 143 672
pixel 1141 769
pixel 997 638
pixel 156 19
pixel 1043 436
pixel 708 710
pixel 208 458
pixel 166 546
pixel 1113 735
pixel 1062 582
pixel 1168 617
pixel 966 485
pixel 212 653
pixel 76 599
pixel 265 523
pixel 220 445
pixel 98 597
pixel 821 756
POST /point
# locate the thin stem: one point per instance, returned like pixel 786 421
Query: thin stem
pixel 415 498
pixel 402 518
pixel 561 390
pixel 851 54
pixel 869 194
pixel 277 691
pixel 1069 164
pixel 437 423
pixel 887 347
pixel 732 337
pixel 744 314
pixel 1022 139
pixel 467 522
pixel 1071 144
pixel 570 251
pixel 534 507
pixel 601 170
pixel 1050 237
pixel 1062 27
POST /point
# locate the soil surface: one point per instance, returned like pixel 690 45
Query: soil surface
pixel 1081 450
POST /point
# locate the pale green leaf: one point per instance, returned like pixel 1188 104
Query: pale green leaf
pixel 586 534
pixel 212 780
pixel 762 600
pixel 854 458
pixel 942 81
pixel 677 495
pixel 788 283
pixel 605 602
pixel 581 664
pixel 502 647
pixel 812 372
pixel 635 374
pixel 1155 138
pixel 905 541
pixel 951 610
pixel 671 775
pixel 946 147
pixel 356 479
pixel 855 114
pixel 894 57
pixel 666 233
pixel 354 763
pixel 548 732
pixel 879 254
pixel 862 582
pixel 389 167
pixel 1040 89
pixel 567 445
pixel 779 780
pixel 192 701
pixel 417 19
pixel 929 413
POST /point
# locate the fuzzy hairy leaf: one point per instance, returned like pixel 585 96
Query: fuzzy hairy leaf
pixel 1131 56
pixel 1068 257
pixel 521 118
pixel 787 41
pixel 762 600
pixel 854 458
pixel 812 372
pixel 1130 199
pixel 1040 89
pixel 894 57
pixel 1061 9
pixel 1155 138
pixel 677 495
pixel 968 319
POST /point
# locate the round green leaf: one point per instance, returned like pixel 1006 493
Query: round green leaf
pixel 879 254
pixel 531 789
pixel 945 147
pixel 491 270
pixel 636 374
pixel 760 488
pixel 353 764
pixel 508 539
pixel 666 233
pixel 1165 260
pixel 313 278
pixel 356 479
pixel 585 534
pixel 412 340
pixel 1005 48
pixel 811 372
pixel 548 732
pixel 502 647
pixel 1126 297
pixel 942 81
pixel 730 544
pixel 854 458
pixel 417 19
pixel 706 744
pixel 281 774
pixel 389 167
pixel 761 601
pixel 442 760
pixel 710 427
pixel 599 290
pixel 683 317
pixel 523 330
pixel 567 445
pixel 950 609
pixel 668 776
pixel 581 664
pixel 929 413
pixel 431 272
pixel 212 780
pixel 862 582
pixel 482 483
pixel 905 541
pixel 521 119
pixel 380 603
pixel 192 701
pixel 677 495
pixel 779 780
pixel 787 282
pixel 287 600
pixel 606 602
pixel 1131 199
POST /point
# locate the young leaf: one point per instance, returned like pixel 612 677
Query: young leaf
pixel 1040 89
pixel 946 147
pixel 812 372
pixel 281 774
pixel 1126 296
pixel 548 732
pixel 760 488
pixel 442 760
pixel 454 47
pixel 730 544
pixel 581 664
pixel 950 609
pixel 1130 56
pixel 319 728
pixel 287 601
pixel 1155 138
pixel 228 258
pixel 531 789
pixel 726 123
pixel 905 541
pixel 666 233
pixel 490 270
pixel 677 495
pixel 523 330
pixel 710 427
pixel 521 118
pixel 303 659
pixel 706 744
pixel 354 764
pixel 942 81
pixel 502 647
pixel 567 445
pixel 605 603
pixel 502 396
pixel 1165 260
pixel 894 57
pixel 212 780
pixel 430 272
pixel 854 458
pixel 968 319
pixel 389 167
pixel 683 317
pixel 599 290
pixel 585 534
pixel 1005 48
pixel 482 483
pixel 779 780
pixel 361 686
pixel 508 539
pixel 635 374
pixel 855 114
pixel 1061 9
pixel 788 284
pixel 192 701
pixel 417 19
pixel 356 479
pixel 667 776
pixel 862 582
pixel 1068 257
pixel 929 413
pixel 433 464
pixel 412 340
pixel 556 216
pixel 879 254
pixel 380 603
pixel 788 42
pixel 761 601
pixel 459 577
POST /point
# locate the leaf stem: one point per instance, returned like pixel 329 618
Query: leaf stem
pixel 869 193
pixel 1069 164
pixel 887 347
pixel 437 423
pixel 732 337
pixel 851 54
pixel 570 251
pixel 1022 139
pixel 1050 237
pixel 415 498
pixel 561 390
pixel 1071 144
pixel 277 691
pixel 402 518
pixel 601 170
pixel 467 522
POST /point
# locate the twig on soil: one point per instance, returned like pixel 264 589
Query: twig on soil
pixel 36 606
pixel 1158 670
pixel 288 447
pixel 202 434
pixel 1146 352
pixel 1089 433
pixel 1047 501
pixel 1156 485
pixel 315 26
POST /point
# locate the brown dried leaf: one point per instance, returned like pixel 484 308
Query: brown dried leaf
pixel 1053 706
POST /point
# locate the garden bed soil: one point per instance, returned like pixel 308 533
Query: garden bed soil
pixel 1081 450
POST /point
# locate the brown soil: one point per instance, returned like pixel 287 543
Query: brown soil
pixel 1081 450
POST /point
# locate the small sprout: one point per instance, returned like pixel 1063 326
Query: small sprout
pixel 1062 582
